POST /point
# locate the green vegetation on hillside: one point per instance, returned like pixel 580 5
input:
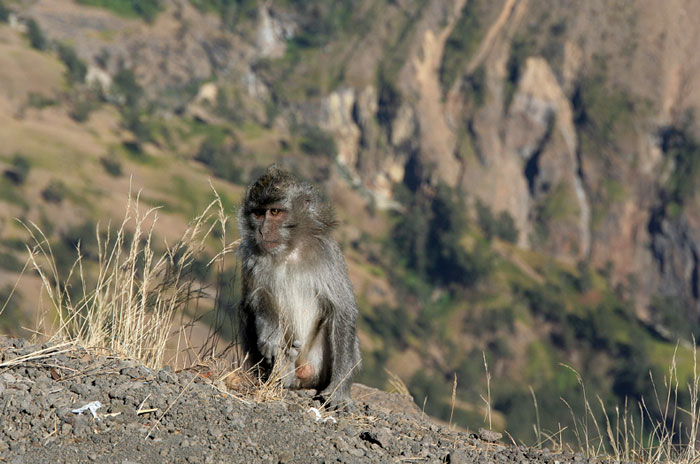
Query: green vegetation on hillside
pixel 541 38
pixel 683 148
pixel 144 9
pixel 501 226
pixel 76 68
pixel 37 39
pixel 4 12
pixel 220 158
pixel 427 239
pixel 604 114
pixel 463 41
pixel 315 141
pixel 461 300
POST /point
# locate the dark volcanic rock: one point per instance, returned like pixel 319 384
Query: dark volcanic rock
pixel 175 417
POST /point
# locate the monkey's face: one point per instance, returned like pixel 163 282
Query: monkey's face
pixel 279 213
pixel 272 227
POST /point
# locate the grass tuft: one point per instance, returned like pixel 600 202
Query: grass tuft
pixel 128 303
pixel 660 430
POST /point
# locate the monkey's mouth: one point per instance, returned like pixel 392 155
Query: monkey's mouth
pixel 269 244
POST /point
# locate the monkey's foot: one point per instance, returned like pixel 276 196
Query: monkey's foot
pixel 336 400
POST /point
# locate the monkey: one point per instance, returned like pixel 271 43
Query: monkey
pixel 298 310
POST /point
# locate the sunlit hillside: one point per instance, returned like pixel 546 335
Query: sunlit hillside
pixel 516 182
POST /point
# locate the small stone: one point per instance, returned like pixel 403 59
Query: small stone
pixel 489 435
pixel 132 372
pixel 457 457
pixel 78 388
pixel 165 376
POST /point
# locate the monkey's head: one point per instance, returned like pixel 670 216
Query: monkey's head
pixel 279 211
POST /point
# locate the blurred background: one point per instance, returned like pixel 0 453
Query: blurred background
pixel 516 181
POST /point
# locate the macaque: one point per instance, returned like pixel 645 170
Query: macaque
pixel 298 310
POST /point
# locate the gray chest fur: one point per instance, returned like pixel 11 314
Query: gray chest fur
pixel 294 293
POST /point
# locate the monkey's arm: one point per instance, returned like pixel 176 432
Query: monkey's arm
pixel 261 337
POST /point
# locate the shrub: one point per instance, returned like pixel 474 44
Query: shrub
pixel 112 165
pixel 54 192
pixel 428 237
pixel 603 112
pixel 39 101
pixel 144 9
pixel 322 22
pixel 12 316
pixel 83 101
pixel 220 159
pixel 126 85
pixel 505 227
pixel 230 11
pixel 463 41
pixel 388 102
pixel 682 146
pixel 36 37
pixel 135 121
pixel 474 86
pixel 129 95
pixel 81 108
pixel 76 68
pixel 4 12
pixel 520 49
pixel 317 142
pixel 10 262
pixel 19 169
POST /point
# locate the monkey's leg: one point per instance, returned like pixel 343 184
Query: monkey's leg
pixel 344 361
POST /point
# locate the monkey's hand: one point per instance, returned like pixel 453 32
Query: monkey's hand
pixel 293 351
pixel 269 347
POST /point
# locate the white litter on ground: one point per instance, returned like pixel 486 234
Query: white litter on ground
pixel 317 413
pixel 92 407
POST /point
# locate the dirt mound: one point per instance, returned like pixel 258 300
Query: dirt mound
pixel 163 416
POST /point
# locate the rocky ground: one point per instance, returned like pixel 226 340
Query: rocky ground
pixel 163 416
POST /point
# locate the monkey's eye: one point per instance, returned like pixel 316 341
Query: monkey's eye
pixel 258 213
pixel 275 211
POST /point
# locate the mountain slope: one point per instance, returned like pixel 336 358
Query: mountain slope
pixel 515 180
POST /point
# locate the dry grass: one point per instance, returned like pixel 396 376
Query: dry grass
pixel 656 430
pixel 48 352
pixel 397 385
pixel 487 400
pixel 128 302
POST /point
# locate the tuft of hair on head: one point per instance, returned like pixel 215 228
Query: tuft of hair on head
pixel 278 184
pixel 271 186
